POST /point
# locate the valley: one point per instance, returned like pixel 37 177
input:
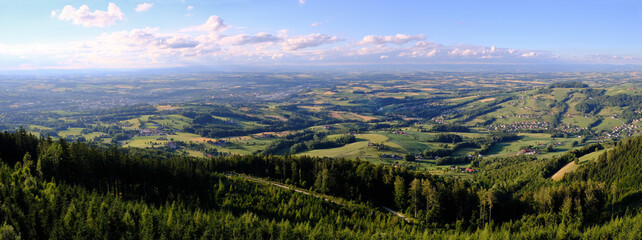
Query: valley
pixel 427 155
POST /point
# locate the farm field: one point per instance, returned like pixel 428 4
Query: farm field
pixel 357 149
pixel 532 139
pixel 399 113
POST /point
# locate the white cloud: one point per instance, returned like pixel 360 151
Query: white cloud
pixel 83 16
pixel 190 8
pixel 310 40
pixel 421 49
pixel 144 7
pixel 205 44
pixel 213 24
pixel 610 59
pixel 396 39
pixel 139 47
pixel 149 38
pixel 243 39
pixel 302 1
pixel 462 52
pixel 316 24
pixel 530 54
pixel 375 50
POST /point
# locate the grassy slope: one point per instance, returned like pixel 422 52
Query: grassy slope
pixel 570 167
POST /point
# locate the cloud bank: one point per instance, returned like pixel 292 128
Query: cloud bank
pixel 396 39
pixel 210 43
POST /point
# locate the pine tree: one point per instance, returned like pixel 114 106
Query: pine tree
pixel 415 191
pixel 400 193
pixel 8 233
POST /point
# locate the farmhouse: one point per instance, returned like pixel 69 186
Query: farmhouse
pixel 150 132
pixel 217 142
pixel 172 145
pixel 265 135
pixel 527 151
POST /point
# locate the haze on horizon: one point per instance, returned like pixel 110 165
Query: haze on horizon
pixel 53 34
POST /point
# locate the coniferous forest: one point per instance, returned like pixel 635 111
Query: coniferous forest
pixel 54 189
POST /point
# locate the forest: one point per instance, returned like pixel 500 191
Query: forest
pixel 54 189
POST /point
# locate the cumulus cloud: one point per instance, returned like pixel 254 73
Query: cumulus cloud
pixel 302 1
pixel 473 54
pixel 243 39
pixel 316 24
pixel 396 39
pixel 213 24
pixel 462 52
pixel 421 49
pixel 530 54
pixel 190 7
pixel 205 43
pixel 144 7
pixel 85 17
pixel 306 41
pixel 148 38
pixel 138 47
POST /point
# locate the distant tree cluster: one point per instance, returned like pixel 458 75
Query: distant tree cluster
pixel 447 138
pixel 594 105
pixel 449 128
pixel 569 85
pixel 322 142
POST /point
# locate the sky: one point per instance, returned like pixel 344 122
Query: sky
pixel 92 34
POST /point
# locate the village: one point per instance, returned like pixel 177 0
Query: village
pixel 537 125
pixel 624 130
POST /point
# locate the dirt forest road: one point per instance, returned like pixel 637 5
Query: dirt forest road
pixel 259 180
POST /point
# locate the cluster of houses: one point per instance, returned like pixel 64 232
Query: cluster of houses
pixel 150 132
pixel 516 126
pixel 569 129
pixel 534 125
pixel 441 118
pixel 521 116
pixel 527 152
pixel 399 132
pixel 393 156
pixel 619 131
pixel 462 169
pixel 265 135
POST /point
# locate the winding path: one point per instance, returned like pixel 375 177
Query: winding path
pixel 317 195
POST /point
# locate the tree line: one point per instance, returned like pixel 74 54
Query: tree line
pixel 61 190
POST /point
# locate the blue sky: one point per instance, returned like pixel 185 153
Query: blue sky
pixel 37 34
